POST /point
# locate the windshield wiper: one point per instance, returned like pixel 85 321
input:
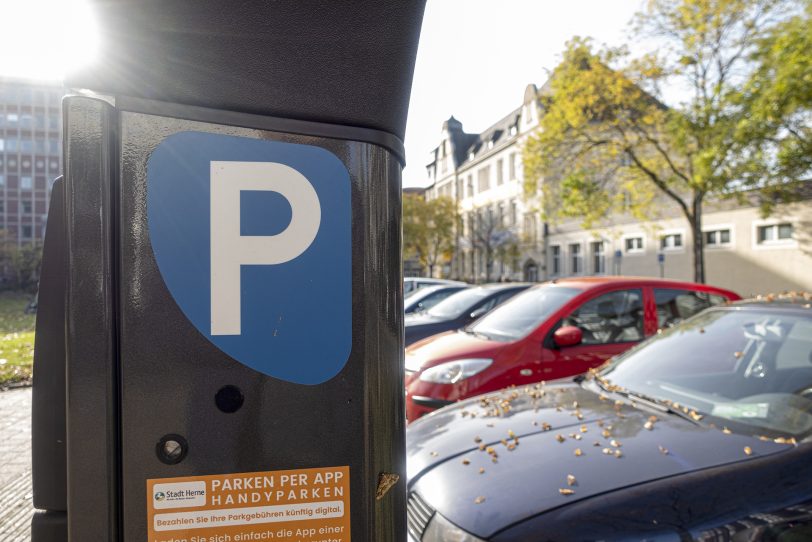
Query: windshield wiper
pixel 653 402
pixel 478 334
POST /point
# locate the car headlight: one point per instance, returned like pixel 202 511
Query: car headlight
pixel 442 530
pixel 453 371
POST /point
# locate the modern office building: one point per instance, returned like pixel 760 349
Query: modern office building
pixel 484 174
pixel 30 156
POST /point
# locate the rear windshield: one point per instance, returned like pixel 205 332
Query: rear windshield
pixel 523 313
pixel 457 304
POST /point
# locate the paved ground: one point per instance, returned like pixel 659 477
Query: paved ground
pixel 15 465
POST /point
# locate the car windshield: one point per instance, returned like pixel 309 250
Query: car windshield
pixel 455 305
pixel 523 313
pixel 751 367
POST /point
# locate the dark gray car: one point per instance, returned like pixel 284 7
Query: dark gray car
pixel 701 433
pixel 459 310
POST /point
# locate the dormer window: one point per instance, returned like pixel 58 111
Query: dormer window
pixel 512 130
pixel 490 144
pixel 471 155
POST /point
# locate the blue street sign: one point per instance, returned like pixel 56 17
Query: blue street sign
pixel 253 240
pixel 661 257
pixel 618 254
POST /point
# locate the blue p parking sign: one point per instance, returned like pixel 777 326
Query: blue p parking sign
pixel 252 238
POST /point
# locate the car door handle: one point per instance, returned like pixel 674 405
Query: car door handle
pixel 526 372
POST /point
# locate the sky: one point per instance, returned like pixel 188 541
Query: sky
pixel 44 39
pixel 474 60
pixel 477 56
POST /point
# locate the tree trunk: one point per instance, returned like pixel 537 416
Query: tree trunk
pixel 698 240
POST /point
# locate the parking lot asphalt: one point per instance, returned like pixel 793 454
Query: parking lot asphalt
pixel 15 465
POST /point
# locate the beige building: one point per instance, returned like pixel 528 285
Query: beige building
pixel 498 237
pixel 743 251
pixel 501 237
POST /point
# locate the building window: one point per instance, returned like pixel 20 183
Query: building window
pixel 500 167
pixel 484 179
pixel 512 166
pixel 26 232
pixel 12 118
pixel 671 241
pixel 25 183
pixel 27 207
pixel 513 212
pixel 717 238
pixel 2 180
pixel 775 233
pixel 634 245
pixel 555 257
pixel 2 206
pixel 470 186
pixel 576 259
pixel 598 257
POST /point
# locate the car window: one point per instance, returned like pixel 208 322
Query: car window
pixel 675 305
pixel 616 317
pixel 752 366
pixel 432 299
pixel 524 312
pixel 455 305
pixel 796 350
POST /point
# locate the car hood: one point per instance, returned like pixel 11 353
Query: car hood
pixel 447 346
pixel 444 457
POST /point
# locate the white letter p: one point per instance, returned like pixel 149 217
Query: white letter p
pixel 230 250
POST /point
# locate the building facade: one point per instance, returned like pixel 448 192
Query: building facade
pixel 30 156
pixel 483 173
pixel 497 238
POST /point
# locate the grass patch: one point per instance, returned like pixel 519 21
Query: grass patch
pixel 16 339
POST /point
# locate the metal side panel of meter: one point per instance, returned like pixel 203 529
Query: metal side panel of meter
pixel 91 161
pixel 171 372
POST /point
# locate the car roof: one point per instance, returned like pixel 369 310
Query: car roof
pixel 800 302
pixel 432 280
pixel 497 286
pixel 426 290
pixel 587 283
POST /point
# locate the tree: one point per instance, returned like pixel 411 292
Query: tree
pixel 19 265
pixel 776 137
pixel 607 141
pixel 428 229
pixel 491 238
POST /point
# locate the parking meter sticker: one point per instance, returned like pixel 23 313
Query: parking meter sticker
pixel 304 505
pixel 253 240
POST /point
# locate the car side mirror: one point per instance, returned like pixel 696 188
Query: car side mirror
pixel 567 336
pixel 477 313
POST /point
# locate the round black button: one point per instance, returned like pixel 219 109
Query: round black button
pixel 229 399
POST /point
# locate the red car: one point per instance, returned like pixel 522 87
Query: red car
pixel 553 330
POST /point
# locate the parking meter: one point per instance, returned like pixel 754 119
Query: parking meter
pixel 232 283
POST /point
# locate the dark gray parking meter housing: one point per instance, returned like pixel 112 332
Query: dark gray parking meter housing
pixel 223 265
